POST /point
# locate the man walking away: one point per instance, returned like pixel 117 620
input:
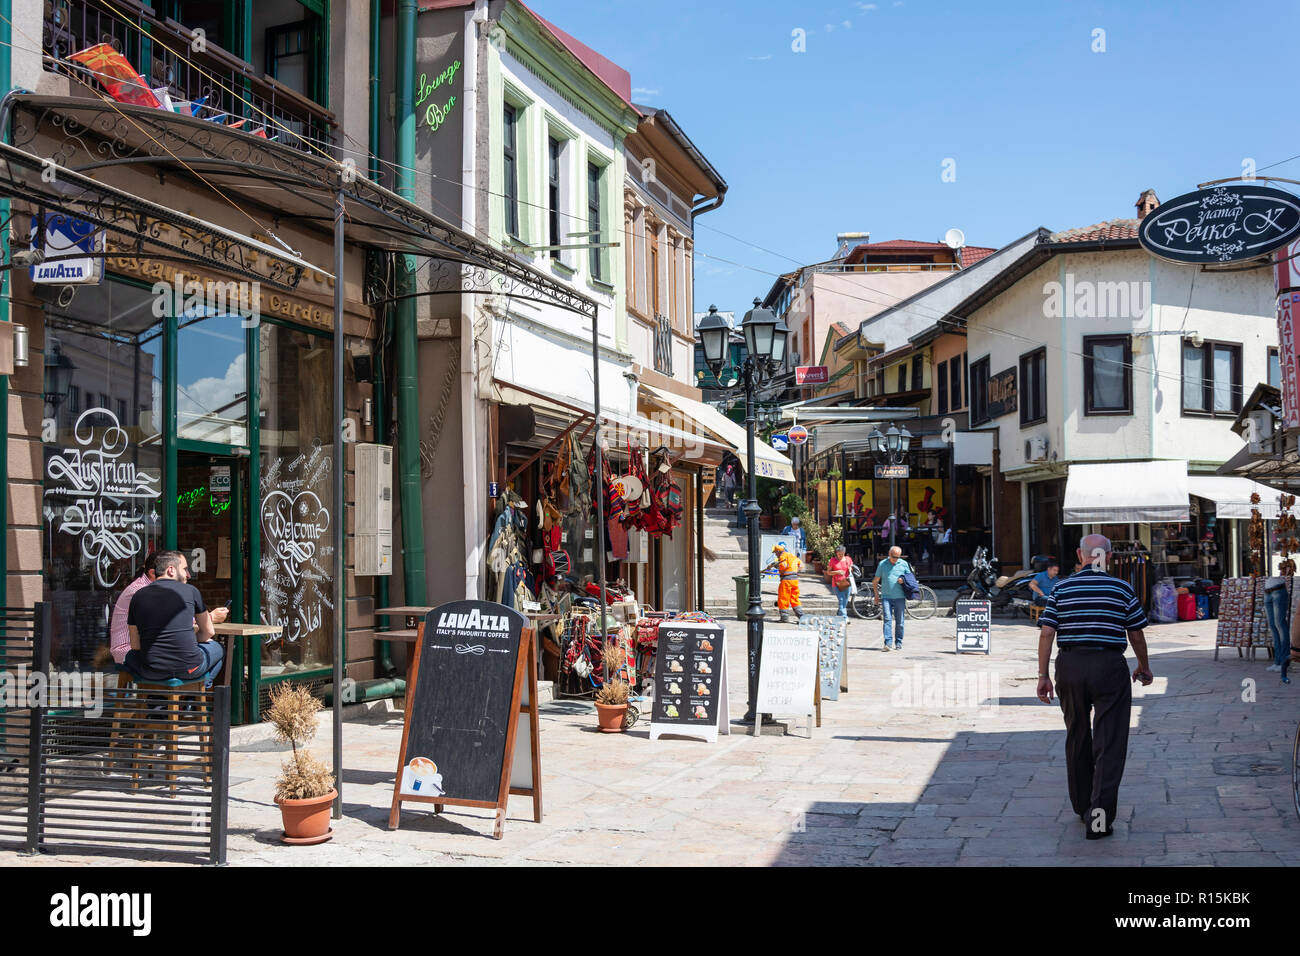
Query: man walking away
pixel 1093 617
pixel 171 629
pixel 888 584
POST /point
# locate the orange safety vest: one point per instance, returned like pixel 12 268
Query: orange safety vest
pixel 787 566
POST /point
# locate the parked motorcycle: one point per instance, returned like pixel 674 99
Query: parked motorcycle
pixel 1006 593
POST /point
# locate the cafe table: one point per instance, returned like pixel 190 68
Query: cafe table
pixel 415 616
pixel 237 634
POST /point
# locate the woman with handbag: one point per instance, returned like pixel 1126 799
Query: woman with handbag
pixel 841 568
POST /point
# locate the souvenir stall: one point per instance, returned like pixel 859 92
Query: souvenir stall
pixel 541 560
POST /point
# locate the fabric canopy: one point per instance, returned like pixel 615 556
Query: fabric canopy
pixel 1141 491
pixel 1231 496
pixel 768 462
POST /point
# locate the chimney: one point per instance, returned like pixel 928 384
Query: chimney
pixel 1147 202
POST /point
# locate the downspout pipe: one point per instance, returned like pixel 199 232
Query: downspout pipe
pixel 6 282
pixel 383 649
pixel 406 344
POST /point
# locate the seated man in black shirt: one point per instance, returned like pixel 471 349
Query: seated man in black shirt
pixel 171 628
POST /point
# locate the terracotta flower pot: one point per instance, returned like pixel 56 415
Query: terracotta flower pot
pixel 765 522
pixel 307 820
pixel 611 717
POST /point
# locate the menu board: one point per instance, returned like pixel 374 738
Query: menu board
pixel 974 620
pixel 690 684
pixel 463 708
pixel 787 672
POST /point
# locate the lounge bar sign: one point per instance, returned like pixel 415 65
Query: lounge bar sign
pixel 1002 393
pixel 1222 224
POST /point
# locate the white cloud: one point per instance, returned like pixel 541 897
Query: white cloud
pixel 847 24
pixel 866 7
pixel 642 91
pixel 202 398
pixel 759 58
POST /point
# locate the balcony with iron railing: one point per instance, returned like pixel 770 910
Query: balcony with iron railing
pixel 167 56
pixel 843 268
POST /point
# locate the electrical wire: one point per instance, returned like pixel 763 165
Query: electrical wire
pixel 629 232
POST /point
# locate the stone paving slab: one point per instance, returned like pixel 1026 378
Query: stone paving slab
pixel 974 776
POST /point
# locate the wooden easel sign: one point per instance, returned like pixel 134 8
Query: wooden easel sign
pixel 473 692
pixel 788 678
pixel 690 695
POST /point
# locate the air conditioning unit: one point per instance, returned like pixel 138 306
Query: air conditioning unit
pixel 1035 449
pixel 374 502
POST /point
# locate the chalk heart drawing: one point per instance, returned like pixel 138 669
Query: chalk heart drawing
pixel 293 525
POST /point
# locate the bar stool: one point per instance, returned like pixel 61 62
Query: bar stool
pixel 170 692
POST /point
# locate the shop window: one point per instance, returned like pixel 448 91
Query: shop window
pixel 1033 387
pixel 100 497
pixel 510 156
pixel 1107 375
pixel 942 387
pixel 978 390
pixel 1211 379
pixel 1274 368
pixel 295 514
pixel 212 370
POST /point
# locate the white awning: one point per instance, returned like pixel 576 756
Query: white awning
pixel 1141 491
pixel 768 462
pixel 1231 496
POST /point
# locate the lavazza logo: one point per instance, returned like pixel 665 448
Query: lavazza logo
pixel 76 910
pixel 474 621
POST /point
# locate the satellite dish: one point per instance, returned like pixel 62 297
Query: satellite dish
pixel 954 238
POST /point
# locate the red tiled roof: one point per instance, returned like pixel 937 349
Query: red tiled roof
pixel 973 254
pixel 1110 229
pixel 841 328
pixel 606 70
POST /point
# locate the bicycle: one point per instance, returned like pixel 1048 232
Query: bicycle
pixel 864 605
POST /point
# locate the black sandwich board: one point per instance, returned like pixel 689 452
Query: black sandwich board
pixel 690 695
pixel 473 690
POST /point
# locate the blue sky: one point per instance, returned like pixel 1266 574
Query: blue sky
pixel 852 134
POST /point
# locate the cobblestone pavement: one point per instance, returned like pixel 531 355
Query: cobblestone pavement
pixel 930 758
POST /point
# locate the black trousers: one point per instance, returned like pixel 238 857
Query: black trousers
pixel 1096 694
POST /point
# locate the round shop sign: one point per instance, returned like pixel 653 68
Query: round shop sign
pixel 1222 224
pixel 797 435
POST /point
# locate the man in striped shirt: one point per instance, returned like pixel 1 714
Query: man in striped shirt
pixel 1093 617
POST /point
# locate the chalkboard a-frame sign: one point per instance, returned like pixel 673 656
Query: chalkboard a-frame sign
pixel 473 691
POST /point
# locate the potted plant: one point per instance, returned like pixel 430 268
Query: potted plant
pixel 305 788
pixel 823 540
pixel 792 506
pixel 611 705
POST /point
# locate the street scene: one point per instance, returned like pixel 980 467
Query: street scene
pixel 488 433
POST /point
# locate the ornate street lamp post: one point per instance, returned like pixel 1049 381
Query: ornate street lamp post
pixel 890 449
pixel 765 341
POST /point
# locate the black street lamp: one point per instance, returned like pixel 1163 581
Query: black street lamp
pixel 765 341
pixel 890 449
pixel 58 377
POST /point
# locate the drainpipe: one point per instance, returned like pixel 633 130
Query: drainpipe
pixel 405 344
pixel 6 290
pixel 383 649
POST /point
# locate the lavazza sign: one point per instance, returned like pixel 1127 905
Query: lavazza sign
pixel 1222 224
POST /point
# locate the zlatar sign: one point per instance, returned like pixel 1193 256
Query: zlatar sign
pixel 1222 224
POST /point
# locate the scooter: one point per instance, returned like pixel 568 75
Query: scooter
pixel 1004 592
